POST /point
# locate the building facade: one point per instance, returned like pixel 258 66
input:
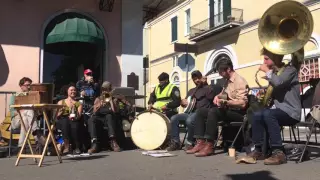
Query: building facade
pixel 218 28
pixel 24 39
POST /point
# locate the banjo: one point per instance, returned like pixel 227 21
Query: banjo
pixel 191 102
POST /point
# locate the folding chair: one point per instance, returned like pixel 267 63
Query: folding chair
pixel 231 124
pixel 183 129
pixel 315 113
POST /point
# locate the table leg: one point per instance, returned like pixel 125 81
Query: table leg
pixel 26 138
pixel 50 135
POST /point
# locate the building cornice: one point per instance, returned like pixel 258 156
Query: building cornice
pixel 175 8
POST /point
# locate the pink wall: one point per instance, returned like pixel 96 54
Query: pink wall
pixel 21 24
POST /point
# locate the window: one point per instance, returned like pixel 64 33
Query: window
pixel 188 22
pixel 175 60
pixel 174 29
pixel 175 79
pixel 309 69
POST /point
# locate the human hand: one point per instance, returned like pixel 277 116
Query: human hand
pixel 264 68
pixel 163 108
pixel 150 107
pixel 82 93
pixel 184 102
pixel 215 100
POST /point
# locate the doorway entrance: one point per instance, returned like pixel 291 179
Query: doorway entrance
pixel 73 42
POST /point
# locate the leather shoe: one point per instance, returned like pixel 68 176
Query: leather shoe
pixel 206 151
pixel 199 145
pixel 277 158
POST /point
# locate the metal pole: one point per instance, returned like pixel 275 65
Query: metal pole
pixel 145 86
pixel 187 68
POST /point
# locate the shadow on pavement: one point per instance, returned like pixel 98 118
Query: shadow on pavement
pixel 261 175
pixel 81 158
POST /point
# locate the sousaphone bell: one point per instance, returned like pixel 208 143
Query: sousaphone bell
pixel 285 27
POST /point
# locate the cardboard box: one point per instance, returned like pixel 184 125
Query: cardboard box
pixel 32 97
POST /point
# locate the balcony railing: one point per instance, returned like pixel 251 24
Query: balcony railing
pixel 232 17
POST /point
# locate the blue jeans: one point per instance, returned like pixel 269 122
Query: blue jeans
pixel 190 122
pixel 270 120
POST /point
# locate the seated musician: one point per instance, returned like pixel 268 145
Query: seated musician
pixel 204 96
pixel 230 108
pixel 104 113
pixel 27 116
pixel 69 120
pixel 286 110
pixel 166 99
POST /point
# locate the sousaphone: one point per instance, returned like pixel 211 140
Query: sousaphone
pixel 285 27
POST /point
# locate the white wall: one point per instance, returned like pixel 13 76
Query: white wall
pixel 132 56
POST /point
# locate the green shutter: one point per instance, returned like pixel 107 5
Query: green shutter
pixel 226 9
pixel 174 29
pixel 211 18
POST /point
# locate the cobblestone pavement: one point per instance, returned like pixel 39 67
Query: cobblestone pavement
pixel 129 165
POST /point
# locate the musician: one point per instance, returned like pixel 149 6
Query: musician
pixel 105 114
pixel 204 95
pixel 69 120
pixel 165 97
pixel 88 89
pixel 286 109
pixel 228 109
pixel 27 116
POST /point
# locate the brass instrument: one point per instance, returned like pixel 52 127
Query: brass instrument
pixel 106 97
pixel 284 29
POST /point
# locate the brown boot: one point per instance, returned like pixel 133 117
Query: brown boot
pixel 277 158
pixel 93 149
pixel 66 148
pixel 206 151
pixel 256 155
pixel 187 147
pixel 114 145
pixel 199 145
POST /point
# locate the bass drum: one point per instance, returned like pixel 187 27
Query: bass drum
pixel 150 130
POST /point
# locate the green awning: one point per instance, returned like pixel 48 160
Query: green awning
pixel 75 30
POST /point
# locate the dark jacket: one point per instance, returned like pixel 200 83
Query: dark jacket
pixel 91 88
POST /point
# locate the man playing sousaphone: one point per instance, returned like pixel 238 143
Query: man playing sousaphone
pixel 285 112
pixel 231 102
pixel 105 109
pixel 204 96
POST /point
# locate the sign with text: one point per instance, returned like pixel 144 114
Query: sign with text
pixel 178 47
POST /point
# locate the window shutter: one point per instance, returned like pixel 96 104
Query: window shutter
pixel 226 9
pixel 174 29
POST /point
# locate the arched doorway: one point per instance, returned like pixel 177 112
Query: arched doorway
pixel 72 41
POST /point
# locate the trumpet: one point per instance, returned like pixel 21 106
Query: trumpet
pixel 106 97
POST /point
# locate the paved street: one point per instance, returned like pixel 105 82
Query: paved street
pixel 132 165
pixel 129 165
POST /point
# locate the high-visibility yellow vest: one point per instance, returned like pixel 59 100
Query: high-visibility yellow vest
pixel 164 97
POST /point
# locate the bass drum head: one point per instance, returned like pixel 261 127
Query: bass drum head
pixel 149 130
